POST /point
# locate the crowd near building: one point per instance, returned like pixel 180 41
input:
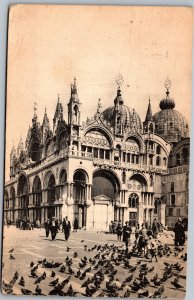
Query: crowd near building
pixel 111 167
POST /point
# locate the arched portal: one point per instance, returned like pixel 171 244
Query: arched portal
pixel 23 197
pixel 80 196
pixel 37 198
pixel 105 183
pixel 50 186
pixel 105 193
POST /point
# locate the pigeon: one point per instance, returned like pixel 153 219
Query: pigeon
pixel 62 269
pixel 11 250
pixel 75 255
pixel 54 282
pixel 26 292
pixel 53 274
pixel 31 264
pixel 22 281
pixel 11 257
pixel 176 284
pixel 38 291
pixel 82 241
pixel 128 279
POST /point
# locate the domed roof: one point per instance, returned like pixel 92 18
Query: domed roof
pixel 169 123
pixel 129 118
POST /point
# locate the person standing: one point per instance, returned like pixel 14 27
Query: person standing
pixel 66 228
pixel 155 228
pixel 75 225
pixel 46 226
pixel 119 231
pixel 179 231
pixel 126 234
pixel 53 226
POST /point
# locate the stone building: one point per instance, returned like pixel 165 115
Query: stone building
pixel 113 166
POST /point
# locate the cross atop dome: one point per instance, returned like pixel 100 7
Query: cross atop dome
pixel 168 85
pixel 119 80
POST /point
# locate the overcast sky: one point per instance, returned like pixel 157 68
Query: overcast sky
pixel 50 45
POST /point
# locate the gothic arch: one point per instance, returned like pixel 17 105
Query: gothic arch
pixel 23 186
pixel 47 176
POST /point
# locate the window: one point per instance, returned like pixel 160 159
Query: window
pixel 158 149
pixel 158 161
pixel 150 159
pixel 95 152
pixel 133 200
pixel 165 161
pixel 107 154
pixel 170 212
pixel 172 187
pixel 101 153
pixel 178 159
pixel 173 200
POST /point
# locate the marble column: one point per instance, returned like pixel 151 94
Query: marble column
pixel 140 212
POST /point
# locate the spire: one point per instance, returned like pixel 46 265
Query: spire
pixel 149 113
pixel 45 119
pixel 34 119
pixel 74 95
pixel 58 111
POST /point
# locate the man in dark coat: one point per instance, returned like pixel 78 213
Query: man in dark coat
pixel 53 226
pixel 66 228
pixel 179 233
pixel 126 234
pixel 46 226
pixel 75 225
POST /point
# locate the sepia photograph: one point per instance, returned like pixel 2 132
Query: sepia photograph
pixel 97 151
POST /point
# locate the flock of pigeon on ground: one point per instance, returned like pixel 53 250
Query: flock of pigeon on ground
pixel 95 274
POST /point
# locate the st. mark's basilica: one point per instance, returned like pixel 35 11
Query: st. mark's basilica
pixel 111 167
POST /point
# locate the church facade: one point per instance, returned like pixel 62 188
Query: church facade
pixel 111 167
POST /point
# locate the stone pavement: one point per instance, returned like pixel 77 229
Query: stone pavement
pixel 32 246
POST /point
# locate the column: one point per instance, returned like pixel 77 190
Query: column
pixel 163 214
pixel 42 216
pixel 140 212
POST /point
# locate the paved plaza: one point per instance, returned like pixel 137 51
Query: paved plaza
pixel 107 260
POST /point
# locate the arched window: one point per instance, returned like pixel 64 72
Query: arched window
pixel 158 161
pixel 158 149
pixel 79 186
pixel 151 128
pixel 165 161
pixel 63 177
pixel 133 200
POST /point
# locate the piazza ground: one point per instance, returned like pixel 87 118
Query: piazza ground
pixel 33 246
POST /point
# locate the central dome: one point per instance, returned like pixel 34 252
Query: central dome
pixel 130 119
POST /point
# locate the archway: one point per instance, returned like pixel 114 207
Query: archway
pixel 133 202
pixel 23 196
pixel 80 196
pixel 50 181
pixel 37 198
pixel 105 192
pixel 105 183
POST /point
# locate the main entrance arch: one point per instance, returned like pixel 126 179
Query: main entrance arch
pixel 105 192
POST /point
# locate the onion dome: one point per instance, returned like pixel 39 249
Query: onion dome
pixel 169 123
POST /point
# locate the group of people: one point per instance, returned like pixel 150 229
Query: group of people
pixel 27 224
pixel 53 226
pixel 145 236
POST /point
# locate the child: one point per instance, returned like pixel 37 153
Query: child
pixel 153 251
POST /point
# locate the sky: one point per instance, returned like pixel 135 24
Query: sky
pixel 49 45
